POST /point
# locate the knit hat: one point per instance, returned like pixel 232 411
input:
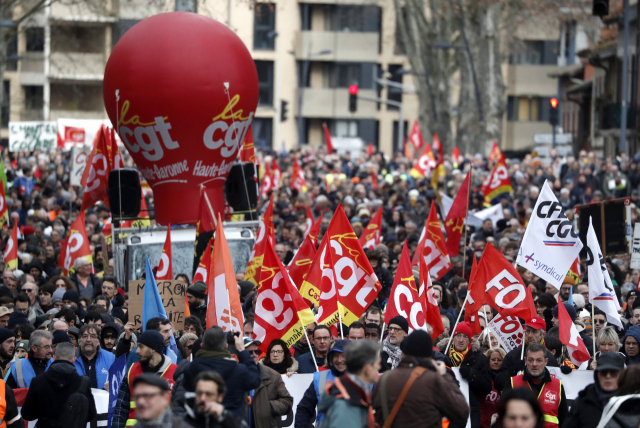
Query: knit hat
pixel 569 280
pixel 17 318
pixel 153 340
pixel 418 344
pixel 198 289
pixel 5 334
pixel 246 287
pixel 111 330
pixel 60 336
pixel 632 293
pixel 400 322
pixel 588 327
pixel 570 309
pixel 58 295
pixel 23 344
pixel 464 328
pixel 72 296
pixel 634 331
pixel 74 332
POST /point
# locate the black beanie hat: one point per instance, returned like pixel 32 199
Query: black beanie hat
pixel 400 322
pixel 60 336
pixel 5 334
pixel 198 289
pixel 418 344
pixel 153 340
pixel 17 318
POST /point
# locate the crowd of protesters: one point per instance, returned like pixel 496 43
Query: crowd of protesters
pixel 59 335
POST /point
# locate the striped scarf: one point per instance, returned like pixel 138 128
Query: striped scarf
pixel 457 357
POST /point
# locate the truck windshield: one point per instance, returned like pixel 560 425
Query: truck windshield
pixel 182 257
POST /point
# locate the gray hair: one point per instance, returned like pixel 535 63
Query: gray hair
pixel 214 339
pixel 360 353
pixel 78 262
pixel 608 334
pixel 65 351
pixel 36 338
pixel 187 337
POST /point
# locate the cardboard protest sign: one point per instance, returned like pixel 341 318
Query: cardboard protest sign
pixel 172 294
pixel 508 331
pixel 32 136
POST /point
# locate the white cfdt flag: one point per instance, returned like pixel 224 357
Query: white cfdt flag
pixel 601 292
pixel 550 245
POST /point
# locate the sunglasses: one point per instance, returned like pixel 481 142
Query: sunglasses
pixel 255 352
pixel 600 321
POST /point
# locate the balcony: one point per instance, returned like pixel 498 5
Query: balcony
pixel 77 66
pixel 334 104
pixel 32 68
pixel 608 117
pixel 77 114
pixel 128 9
pixel 94 11
pixel 339 46
pixel 526 80
pixel 519 135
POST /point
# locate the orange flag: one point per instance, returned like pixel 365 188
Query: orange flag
pixel 429 302
pixel 495 154
pixel 165 267
pixel 315 230
pixel 297 177
pixel 356 284
pixel 454 223
pixel 432 247
pixel 374 181
pixel 280 311
pixel 103 158
pixel 327 138
pixel 224 308
pixel 265 231
pixel 75 246
pixel 371 235
pixel 299 266
pixel 455 155
pixel 11 250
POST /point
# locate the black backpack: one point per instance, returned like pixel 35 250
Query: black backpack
pixel 75 411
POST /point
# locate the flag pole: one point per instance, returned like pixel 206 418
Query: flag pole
pixel 593 327
pixel 313 357
pixel 455 325
pixel 382 332
pixel 466 218
pixel 340 317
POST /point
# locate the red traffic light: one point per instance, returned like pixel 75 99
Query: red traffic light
pixel 353 90
pixel 553 102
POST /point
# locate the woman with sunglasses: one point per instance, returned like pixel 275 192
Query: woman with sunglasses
pixel 187 340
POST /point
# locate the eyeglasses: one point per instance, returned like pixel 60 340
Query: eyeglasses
pixel 600 321
pixel 28 290
pixel 394 329
pixel 189 347
pixel 255 352
pixel 323 338
pixel 87 337
pixel 145 397
pixel 276 352
pixel 310 332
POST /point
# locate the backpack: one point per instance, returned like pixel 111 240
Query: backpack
pixel 75 411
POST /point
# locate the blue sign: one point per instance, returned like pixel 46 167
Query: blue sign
pixel 116 374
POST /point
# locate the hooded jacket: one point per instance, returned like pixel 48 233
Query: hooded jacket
pixel 635 333
pixel 586 410
pixel 48 393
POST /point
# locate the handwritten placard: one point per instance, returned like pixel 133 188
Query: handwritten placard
pixel 172 294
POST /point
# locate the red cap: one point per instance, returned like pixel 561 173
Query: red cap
pixel 537 323
pixel 27 231
pixel 464 328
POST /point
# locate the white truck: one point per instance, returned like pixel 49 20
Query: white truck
pixel 131 251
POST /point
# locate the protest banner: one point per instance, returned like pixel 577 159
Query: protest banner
pixel 32 136
pixel 79 157
pixel 116 373
pixel 100 397
pixel 635 249
pixel 508 331
pixel 172 294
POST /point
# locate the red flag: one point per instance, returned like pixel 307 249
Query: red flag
pixel 371 235
pixel 432 246
pixel 206 219
pixel 276 174
pixel 11 250
pixel 265 231
pixel 404 299
pixel 503 287
pixel 315 230
pixel 415 137
pixel 454 222
pixel 75 246
pixel 267 182
pixel 103 158
pixel 165 267
pixel 299 266
pixel 297 177
pixel 224 308
pixel 248 152
pixel 202 272
pixel 495 154
pixel 423 163
pixel 439 170
pixel 309 221
pixel 497 183
pixel 570 337
pixel 327 139
pixel 374 181
pixel 475 302
pixel 4 211
pixel 531 303
pixel 455 155
pixel 356 283
pixel 429 302
pixel 574 271
pixel 280 311
pixel 370 149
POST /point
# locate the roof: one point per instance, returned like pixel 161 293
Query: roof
pixel 604 50
pixel 567 71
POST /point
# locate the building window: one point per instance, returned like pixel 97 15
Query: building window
pixel 398 146
pixel 354 18
pixel 394 94
pixel 262 133
pixel 527 109
pixel 265 82
pixel 536 52
pixel 76 97
pixel 345 128
pixel 33 97
pixel 264 24
pixel 35 39
pixel 186 6
pixel 12 54
pixel 6 102
pixel 341 75
pixel 77 39
pixel 119 28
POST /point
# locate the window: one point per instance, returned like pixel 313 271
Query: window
pixel 394 94
pixel 536 52
pixel 119 28
pixel 527 109
pixel 262 133
pixel 6 102
pixel 398 145
pixel 33 97
pixel 12 53
pixel 353 18
pixel 186 6
pixel 342 75
pixel 399 48
pixel 76 97
pixel 35 39
pixel 77 39
pixel 265 82
pixel 264 23
pixel 346 128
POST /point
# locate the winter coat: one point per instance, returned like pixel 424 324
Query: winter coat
pixel 344 404
pixel 49 391
pixel 306 364
pixel 386 281
pixel 475 370
pixel 240 377
pixel 586 410
pixel 271 400
pixel 434 396
pixel 299 350
pixel 512 363
pixel 89 293
pixel 104 361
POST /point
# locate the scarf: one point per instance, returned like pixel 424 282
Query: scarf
pixel 567 362
pixel 393 352
pixel 163 421
pixel 457 357
pixel 279 367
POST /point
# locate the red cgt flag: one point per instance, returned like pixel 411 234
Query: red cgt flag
pixel 75 246
pixel 476 295
pixel 497 183
pixel 165 267
pixel 265 231
pixel 454 223
pixel 570 337
pixel 371 235
pixel 309 221
pixel 404 299
pixel 327 139
pixel 297 177
pixel 103 158
pixel 267 184
pixel 299 266
pixel 374 181
pixel 415 137
pixel 315 230
pixel 501 285
pixel 424 162
pixel 202 272
pixel 276 174
pixel 432 247
pixel 11 250
pixel 429 302
pixel 495 154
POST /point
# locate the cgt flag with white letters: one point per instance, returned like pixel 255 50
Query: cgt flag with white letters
pixel 601 292
pixel 550 245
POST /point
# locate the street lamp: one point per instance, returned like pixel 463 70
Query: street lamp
pixel 304 78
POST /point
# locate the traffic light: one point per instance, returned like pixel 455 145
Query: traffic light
pixel 353 98
pixel 283 110
pixel 600 8
pixel 553 112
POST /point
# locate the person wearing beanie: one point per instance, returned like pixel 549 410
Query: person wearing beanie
pixel 59 336
pixel 22 348
pixel 57 297
pixel 631 345
pixel 71 297
pixel 439 392
pixel 150 351
pixel 17 318
pixel 565 289
pixel 390 355
pixel 108 336
pixel 7 350
pixel 246 288
pixel 632 296
pixel 464 353
pixel 197 301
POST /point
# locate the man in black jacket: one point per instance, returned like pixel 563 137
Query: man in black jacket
pixel 207 410
pixel 198 302
pixel 84 280
pixel 49 391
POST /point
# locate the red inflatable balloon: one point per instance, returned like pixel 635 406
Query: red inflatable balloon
pixel 183 90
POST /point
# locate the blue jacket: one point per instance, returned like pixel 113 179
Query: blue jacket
pixel 307 406
pixel 306 365
pixel 27 372
pixel 103 363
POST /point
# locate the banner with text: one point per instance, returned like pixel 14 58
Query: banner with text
pixel 508 331
pixel 172 294
pixel 30 136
